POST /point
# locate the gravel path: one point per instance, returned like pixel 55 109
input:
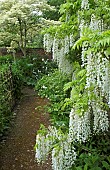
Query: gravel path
pixel 17 149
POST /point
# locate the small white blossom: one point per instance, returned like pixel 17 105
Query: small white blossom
pixel 85 4
pixel 101 122
pixel 79 127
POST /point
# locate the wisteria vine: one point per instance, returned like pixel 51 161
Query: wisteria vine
pixel 98 77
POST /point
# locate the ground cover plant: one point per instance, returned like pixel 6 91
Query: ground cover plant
pixel 51 86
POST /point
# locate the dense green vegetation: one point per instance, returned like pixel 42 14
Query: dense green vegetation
pixel 92 155
pixel 78 90
pixel 51 86
pixel 81 47
pixel 14 75
pixel 10 86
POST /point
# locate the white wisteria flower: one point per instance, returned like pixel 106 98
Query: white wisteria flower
pixel 79 127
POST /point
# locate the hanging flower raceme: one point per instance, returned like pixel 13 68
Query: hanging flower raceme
pixel 101 122
pixel 63 156
pixel 55 50
pixel 60 48
pixel 85 4
pixel 48 41
pixel 63 151
pixel 71 39
pixel 40 148
pixel 79 126
pixel 96 24
pixel 44 143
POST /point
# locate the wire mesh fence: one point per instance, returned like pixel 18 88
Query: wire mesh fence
pixel 6 87
pixel 7 98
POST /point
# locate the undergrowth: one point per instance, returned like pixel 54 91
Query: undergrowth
pixel 32 68
pixel 94 154
pixel 51 87
pixel 10 91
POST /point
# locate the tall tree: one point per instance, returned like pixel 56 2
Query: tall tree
pixel 18 18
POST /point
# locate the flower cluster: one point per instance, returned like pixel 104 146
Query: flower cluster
pixel 96 24
pixel 98 77
pixel 55 49
pixel 91 70
pixel 79 126
pixel 85 4
pixel 48 41
pixel 63 152
pixel 81 26
pixel 40 148
pixel 101 122
pixel 71 38
pixel 63 156
pixel 59 49
pixel 44 143
pixel 84 48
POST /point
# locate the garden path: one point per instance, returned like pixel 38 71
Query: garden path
pixel 17 149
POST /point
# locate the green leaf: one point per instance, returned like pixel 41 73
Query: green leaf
pixel 96 168
pixel 79 43
pixel 74 94
pixel 107 51
pixel 108 158
pixel 68 86
pixel 85 167
pixel 106 165
pixel 82 72
pixel 79 168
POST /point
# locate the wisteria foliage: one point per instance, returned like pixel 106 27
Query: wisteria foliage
pixel 97 78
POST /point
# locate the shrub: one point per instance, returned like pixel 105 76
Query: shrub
pixel 10 90
pixel 33 68
pixel 51 87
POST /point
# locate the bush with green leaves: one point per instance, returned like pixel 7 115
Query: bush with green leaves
pixel 10 90
pixel 51 86
pixel 6 59
pixel 33 68
pixel 4 107
pixel 94 154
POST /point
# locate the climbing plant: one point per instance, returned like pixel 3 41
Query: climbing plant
pixel 83 31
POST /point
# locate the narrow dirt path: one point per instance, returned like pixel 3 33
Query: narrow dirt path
pixel 17 150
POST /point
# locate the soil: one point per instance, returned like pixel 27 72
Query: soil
pixel 29 51
pixel 17 148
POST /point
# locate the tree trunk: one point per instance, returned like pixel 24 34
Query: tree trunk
pixel 25 36
pixel 23 51
pixel 22 43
